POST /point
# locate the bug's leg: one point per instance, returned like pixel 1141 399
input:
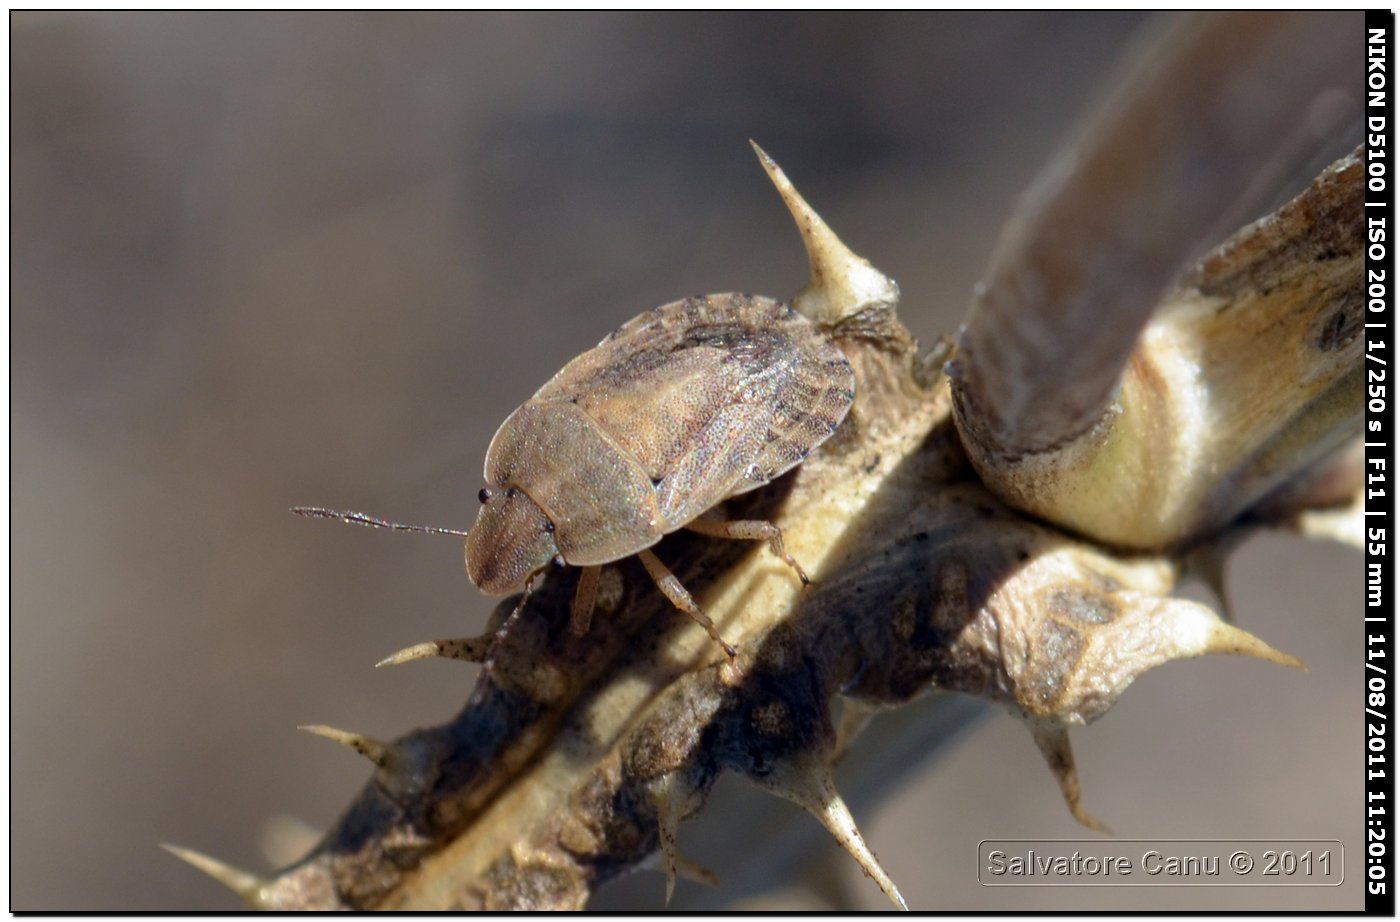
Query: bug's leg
pixel 505 627
pixel 581 612
pixel 751 530
pixel 671 587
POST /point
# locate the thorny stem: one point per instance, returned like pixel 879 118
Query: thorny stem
pixel 577 758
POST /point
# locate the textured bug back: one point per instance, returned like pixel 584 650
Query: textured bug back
pixel 600 501
pixel 711 396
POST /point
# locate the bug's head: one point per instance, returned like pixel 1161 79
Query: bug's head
pixel 511 539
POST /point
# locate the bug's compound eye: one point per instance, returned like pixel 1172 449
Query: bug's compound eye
pixel 484 496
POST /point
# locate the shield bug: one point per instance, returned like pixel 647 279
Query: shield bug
pixel 672 413
pixel 678 409
pixel 675 411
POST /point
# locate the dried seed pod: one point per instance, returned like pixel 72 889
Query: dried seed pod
pixel 1079 411
pixel 679 409
pixel 1195 434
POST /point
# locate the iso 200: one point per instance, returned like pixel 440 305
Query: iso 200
pixel 1289 863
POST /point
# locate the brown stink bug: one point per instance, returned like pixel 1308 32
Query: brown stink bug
pixel 678 409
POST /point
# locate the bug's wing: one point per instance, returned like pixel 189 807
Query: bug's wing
pixel 722 455
pixel 711 396
pixel 661 402
pixel 807 409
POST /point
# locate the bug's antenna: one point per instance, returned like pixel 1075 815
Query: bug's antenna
pixel 359 518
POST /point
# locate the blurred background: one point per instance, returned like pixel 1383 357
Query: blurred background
pixel 270 259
